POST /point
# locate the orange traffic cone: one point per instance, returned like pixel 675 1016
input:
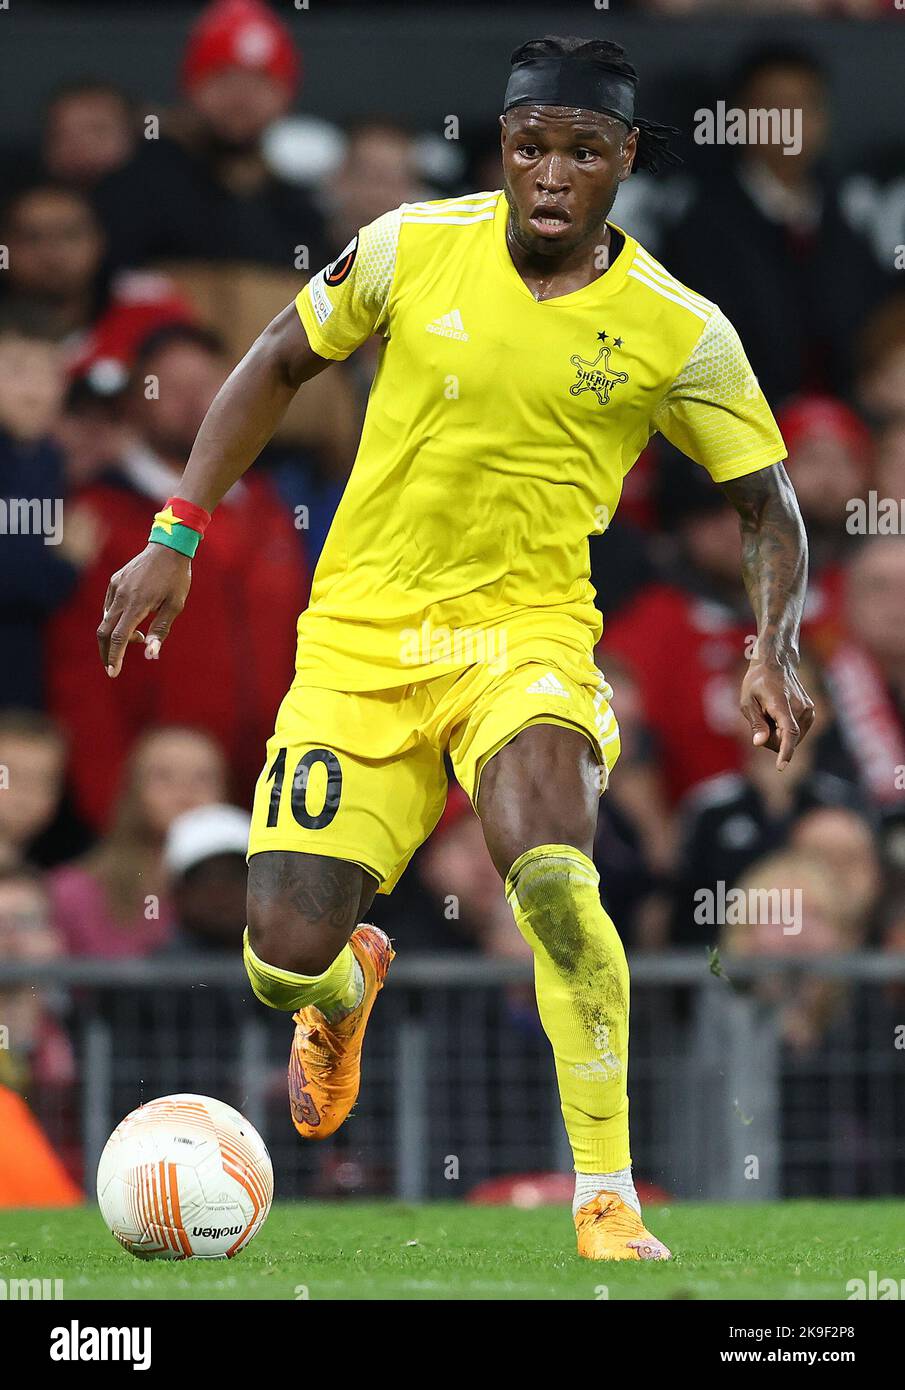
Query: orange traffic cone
pixel 31 1174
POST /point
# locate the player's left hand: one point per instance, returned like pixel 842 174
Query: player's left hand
pixel 777 707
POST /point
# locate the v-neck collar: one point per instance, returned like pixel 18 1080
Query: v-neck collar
pixel 605 284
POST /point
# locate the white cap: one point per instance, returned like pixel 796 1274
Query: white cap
pixel 200 834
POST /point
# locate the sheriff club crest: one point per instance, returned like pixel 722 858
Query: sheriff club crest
pixel 597 376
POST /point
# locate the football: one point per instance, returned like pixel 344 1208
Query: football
pixel 184 1177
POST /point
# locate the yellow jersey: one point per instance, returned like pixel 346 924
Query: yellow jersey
pixel 498 431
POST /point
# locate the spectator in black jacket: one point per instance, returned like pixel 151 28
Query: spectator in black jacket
pixel 768 243
pixel 731 821
pixel 203 190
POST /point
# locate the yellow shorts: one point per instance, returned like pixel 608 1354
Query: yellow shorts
pixel 361 775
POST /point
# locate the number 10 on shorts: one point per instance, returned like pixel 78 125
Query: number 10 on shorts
pixel 298 794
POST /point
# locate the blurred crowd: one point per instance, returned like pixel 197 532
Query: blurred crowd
pixel 143 256
pixel 852 9
pixel 855 9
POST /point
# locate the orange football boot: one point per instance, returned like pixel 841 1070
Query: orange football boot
pixel 325 1061
pixel 609 1229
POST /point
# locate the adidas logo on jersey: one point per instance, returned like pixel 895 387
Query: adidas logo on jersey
pixel 548 685
pixel 448 326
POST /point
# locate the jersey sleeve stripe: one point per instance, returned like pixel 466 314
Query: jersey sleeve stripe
pixel 659 272
pixel 450 221
pixel 476 201
pixel 667 294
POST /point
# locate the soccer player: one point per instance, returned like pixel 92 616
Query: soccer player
pixel 531 348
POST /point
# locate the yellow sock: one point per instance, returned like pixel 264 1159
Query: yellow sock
pixel 581 978
pixel 334 992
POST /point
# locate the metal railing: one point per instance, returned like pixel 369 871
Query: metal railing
pixel 779 1077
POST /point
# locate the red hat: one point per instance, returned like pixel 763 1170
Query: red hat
pixel 242 34
pixel 808 417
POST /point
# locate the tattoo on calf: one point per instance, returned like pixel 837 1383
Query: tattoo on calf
pixel 317 888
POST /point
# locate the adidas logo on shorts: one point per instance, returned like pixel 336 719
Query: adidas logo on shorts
pixel 448 326
pixel 548 685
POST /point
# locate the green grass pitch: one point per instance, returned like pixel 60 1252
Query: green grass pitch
pixel 384 1250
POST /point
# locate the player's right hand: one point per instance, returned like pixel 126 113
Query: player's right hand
pixel 157 581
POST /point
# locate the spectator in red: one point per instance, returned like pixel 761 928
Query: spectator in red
pixel 204 189
pixel 683 636
pixel 229 660
pixel 114 902
pixel 866 671
pixel 830 456
pixel 56 257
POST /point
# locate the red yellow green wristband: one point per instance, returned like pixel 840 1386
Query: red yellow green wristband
pixel 180 525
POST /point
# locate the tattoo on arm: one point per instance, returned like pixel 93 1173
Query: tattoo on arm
pixel 774 557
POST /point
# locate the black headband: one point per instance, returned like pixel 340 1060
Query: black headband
pixel 570 81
